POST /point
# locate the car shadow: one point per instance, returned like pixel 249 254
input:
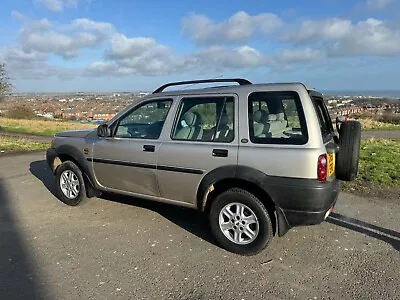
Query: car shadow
pixel 386 235
pixel 41 171
pixel 189 219
pixel 18 277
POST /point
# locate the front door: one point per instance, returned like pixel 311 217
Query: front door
pixel 127 161
pixel 203 138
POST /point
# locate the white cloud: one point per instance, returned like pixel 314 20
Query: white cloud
pixel 142 56
pixel 17 15
pixel 16 54
pixel 125 55
pixel 341 37
pixel 64 40
pixel 102 68
pixel 90 25
pixel 369 37
pixel 123 47
pixel 311 30
pixel 161 60
pixel 33 65
pixel 306 42
pixel 222 58
pixel 57 5
pixel 158 60
pixel 58 43
pixel 238 28
pixel 288 56
pixel 378 4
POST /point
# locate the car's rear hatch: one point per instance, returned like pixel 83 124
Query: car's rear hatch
pixel 327 131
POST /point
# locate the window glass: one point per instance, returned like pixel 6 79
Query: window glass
pixel 145 122
pixel 206 119
pixel 276 118
pixel 324 119
pixel 292 116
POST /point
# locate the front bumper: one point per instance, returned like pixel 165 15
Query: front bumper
pixel 51 155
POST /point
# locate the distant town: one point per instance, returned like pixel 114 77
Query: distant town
pixel 73 106
pixel 99 107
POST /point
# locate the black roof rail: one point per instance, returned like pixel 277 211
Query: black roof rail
pixel 240 81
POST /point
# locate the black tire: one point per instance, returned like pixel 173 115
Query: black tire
pixel 81 194
pixel 265 230
pixel 349 151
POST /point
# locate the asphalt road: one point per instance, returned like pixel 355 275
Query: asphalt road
pixel 121 248
pixel 382 134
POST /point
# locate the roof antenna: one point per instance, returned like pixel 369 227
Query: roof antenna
pixel 216 77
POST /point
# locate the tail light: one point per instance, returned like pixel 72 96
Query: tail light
pixel 322 167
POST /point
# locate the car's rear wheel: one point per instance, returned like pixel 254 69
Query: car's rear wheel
pixel 240 222
pixel 349 151
pixel 70 184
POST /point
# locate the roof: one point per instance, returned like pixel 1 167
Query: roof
pixel 232 89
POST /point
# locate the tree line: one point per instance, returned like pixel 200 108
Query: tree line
pixel 5 83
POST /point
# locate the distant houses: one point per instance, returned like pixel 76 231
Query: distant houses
pixel 87 115
pixel 101 107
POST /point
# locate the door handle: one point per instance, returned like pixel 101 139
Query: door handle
pixel 149 148
pixel 220 152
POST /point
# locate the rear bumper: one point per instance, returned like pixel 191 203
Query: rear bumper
pixel 308 204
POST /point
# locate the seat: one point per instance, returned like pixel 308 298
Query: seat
pixel 277 125
pixel 192 130
pixel 281 117
pixel 223 133
pixel 261 125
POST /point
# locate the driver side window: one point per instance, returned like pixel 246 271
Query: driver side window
pixel 145 121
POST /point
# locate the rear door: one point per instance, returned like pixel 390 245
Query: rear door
pixel 203 137
pixel 277 152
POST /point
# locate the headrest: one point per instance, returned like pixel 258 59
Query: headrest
pixel 190 118
pixel 272 117
pixel 260 116
pixel 280 116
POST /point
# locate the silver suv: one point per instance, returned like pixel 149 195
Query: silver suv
pixel 258 159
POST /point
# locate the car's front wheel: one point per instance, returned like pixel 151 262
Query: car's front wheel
pixel 70 184
pixel 240 222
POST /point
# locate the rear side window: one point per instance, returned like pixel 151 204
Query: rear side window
pixel 276 118
pixel 205 119
pixel 325 122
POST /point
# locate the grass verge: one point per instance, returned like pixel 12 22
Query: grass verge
pixel 379 166
pixel 9 144
pixel 370 124
pixel 40 127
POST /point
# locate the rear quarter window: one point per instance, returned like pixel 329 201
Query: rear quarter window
pixel 276 118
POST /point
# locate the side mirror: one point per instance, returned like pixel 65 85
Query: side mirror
pixel 103 130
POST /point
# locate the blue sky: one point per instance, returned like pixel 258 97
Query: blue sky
pixel 128 45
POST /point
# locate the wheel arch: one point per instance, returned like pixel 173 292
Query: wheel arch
pixel 68 152
pixel 224 178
